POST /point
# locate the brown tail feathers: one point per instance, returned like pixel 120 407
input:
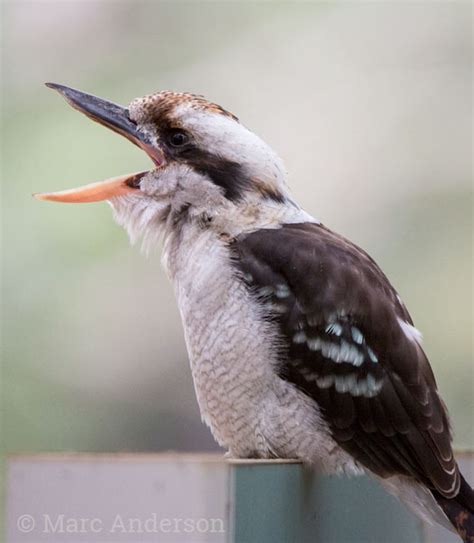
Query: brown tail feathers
pixel 460 511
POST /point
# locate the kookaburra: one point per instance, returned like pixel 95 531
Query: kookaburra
pixel 299 345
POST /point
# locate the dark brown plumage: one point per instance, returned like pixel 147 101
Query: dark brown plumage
pixel 338 298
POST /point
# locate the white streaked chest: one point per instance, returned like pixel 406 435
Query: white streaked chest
pixel 234 359
pixel 231 348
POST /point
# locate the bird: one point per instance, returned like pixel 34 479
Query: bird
pixel 299 346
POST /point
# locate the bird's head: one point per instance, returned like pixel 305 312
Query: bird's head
pixel 207 166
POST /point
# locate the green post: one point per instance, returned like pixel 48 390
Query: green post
pixel 286 503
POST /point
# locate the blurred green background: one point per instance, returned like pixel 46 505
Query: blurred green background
pixel 369 104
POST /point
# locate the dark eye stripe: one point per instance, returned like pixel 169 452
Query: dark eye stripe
pixel 227 174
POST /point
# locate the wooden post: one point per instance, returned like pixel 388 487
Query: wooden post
pixel 140 498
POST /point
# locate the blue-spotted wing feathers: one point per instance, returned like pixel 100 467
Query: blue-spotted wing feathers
pixel 344 346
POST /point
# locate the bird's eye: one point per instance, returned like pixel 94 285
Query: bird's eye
pixel 178 138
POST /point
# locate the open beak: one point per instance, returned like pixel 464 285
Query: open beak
pixel 117 119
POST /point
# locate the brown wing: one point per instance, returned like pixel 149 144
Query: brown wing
pixel 348 346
